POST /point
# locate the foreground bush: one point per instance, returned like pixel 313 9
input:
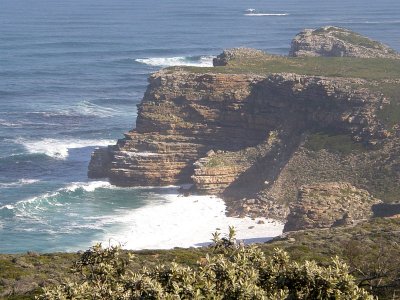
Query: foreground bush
pixel 229 271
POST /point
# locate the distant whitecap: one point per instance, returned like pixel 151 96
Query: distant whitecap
pixel 265 14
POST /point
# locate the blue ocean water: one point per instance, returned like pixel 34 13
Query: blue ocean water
pixel 72 72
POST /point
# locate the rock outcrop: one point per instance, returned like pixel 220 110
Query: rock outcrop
pixel 331 41
pixel 237 53
pixel 325 205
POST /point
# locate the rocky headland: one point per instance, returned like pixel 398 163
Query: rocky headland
pixel 268 132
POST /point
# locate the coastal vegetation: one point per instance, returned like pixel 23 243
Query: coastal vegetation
pixel 369 249
pixel 228 271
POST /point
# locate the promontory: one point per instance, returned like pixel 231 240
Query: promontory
pixel 312 138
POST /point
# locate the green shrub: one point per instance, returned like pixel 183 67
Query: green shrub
pixel 229 271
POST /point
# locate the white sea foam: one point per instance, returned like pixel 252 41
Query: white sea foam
pixel 18 183
pixel 168 220
pixel 59 148
pixel 183 222
pixel 87 186
pixel 8 206
pixel 202 61
pixel 254 14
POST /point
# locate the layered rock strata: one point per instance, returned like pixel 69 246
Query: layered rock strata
pixel 252 123
pixel 331 41
pixel 325 205
pixel 181 117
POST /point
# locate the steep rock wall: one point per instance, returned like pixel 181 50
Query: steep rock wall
pixel 181 117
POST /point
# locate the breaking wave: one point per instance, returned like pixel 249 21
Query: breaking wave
pixel 59 148
pixel 159 217
pixel 88 186
pixel 195 61
pixel 50 199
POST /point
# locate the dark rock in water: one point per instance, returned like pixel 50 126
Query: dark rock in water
pixel 334 41
pixel 100 163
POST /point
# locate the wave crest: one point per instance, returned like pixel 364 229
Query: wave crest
pixel 194 61
pixel 88 186
pixel 59 148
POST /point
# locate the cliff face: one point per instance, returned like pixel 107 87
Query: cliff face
pixel 257 138
pixel 254 125
pixel 181 117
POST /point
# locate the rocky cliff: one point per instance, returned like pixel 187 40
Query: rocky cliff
pixel 256 128
pixel 182 116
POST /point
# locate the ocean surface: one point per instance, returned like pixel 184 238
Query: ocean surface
pixel 71 74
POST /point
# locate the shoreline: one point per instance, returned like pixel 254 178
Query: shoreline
pixel 175 220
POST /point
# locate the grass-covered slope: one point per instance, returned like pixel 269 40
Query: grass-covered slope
pixel 347 67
